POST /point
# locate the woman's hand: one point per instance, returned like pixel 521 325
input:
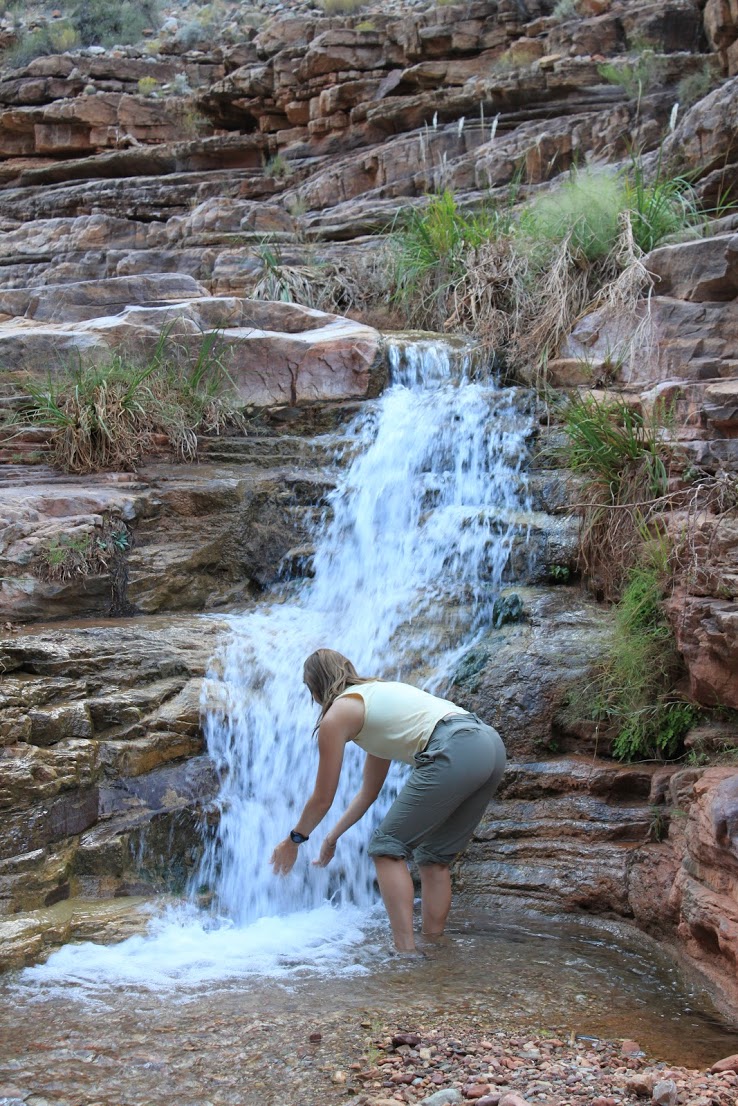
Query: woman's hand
pixel 327 852
pixel 284 856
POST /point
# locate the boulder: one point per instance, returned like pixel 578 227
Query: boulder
pixel 705 270
pixel 706 631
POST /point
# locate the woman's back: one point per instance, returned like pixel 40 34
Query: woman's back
pixel 398 718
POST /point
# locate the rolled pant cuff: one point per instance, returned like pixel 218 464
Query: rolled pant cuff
pixel 382 844
pixel 425 856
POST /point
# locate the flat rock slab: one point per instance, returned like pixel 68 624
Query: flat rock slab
pixel 275 352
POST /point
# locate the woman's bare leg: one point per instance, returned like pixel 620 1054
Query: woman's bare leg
pixel 398 893
pixel 435 884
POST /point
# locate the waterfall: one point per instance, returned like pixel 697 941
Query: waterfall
pixel 406 568
pixel 408 560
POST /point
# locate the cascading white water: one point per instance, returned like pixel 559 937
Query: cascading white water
pixel 407 565
pixel 405 573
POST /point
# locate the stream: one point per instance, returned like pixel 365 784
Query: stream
pixel 408 561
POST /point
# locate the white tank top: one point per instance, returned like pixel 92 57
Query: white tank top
pixel 399 718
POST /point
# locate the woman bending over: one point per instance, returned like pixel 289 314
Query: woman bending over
pixel 457 762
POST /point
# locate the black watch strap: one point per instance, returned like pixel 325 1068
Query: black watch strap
pixel 297 837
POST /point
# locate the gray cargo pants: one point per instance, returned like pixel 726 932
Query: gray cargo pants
pixel 445 796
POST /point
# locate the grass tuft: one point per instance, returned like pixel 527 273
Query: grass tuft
pixel 625 464
pixel 110 415
pixel 632 692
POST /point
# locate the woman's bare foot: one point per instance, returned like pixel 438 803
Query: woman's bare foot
pixel 434 940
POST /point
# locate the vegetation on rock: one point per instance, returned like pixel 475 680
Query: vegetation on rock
pixel 632 692
pixel 111 414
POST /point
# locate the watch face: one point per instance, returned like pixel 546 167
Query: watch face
pixel 298 838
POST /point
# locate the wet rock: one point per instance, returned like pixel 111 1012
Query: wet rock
pixel 516 676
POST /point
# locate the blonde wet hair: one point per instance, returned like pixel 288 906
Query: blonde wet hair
pixel 328 673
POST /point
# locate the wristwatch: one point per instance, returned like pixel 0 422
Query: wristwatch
pixel 297 837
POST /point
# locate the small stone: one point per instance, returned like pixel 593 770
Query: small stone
pixel 631 1048
pixel 665 1093
pixel 512 1099
pixel 476 1090
pixel 447 1097
pixel 728 1063
pixel 411 1039
pixel 339 1077
pixel 315 1037
pixel 642 1085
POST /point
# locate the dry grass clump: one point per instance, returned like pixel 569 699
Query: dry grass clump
pixel 330 286
pixel 518 277
pixel 110 415
pixel 84 552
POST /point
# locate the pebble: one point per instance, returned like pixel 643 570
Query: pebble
pixel 442 1098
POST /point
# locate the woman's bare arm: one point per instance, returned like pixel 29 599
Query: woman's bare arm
pixel 375 773
pixel 341 724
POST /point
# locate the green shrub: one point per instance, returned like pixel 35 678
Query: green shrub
pixel 643 70
pixel 148 86
pixel 109 415
pixel 109 23
pixel 585 209
pixel 55 38
pixel 565 9
pixel 696 86
pixel 341 7
pixel 278 167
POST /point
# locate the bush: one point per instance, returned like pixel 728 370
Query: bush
pixel 107 23
pixel 109 416
pixel 278 167
pixel 85 553
pixel 585 209
pixel 694 87
pixel 341 7
pixel 666 206
pixel 637 75
pixel 148 86
pixel 56 38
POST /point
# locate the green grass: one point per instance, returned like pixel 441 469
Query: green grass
pixel 641 71
pixel 659 207
pixel 634 689
pixel 696 86
pixel 609 441
pixel 70 555
pixel 55 38
pixel 624 462
pixel 110 415
pixel 585 209
pixel 434 250
pixel 278 167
